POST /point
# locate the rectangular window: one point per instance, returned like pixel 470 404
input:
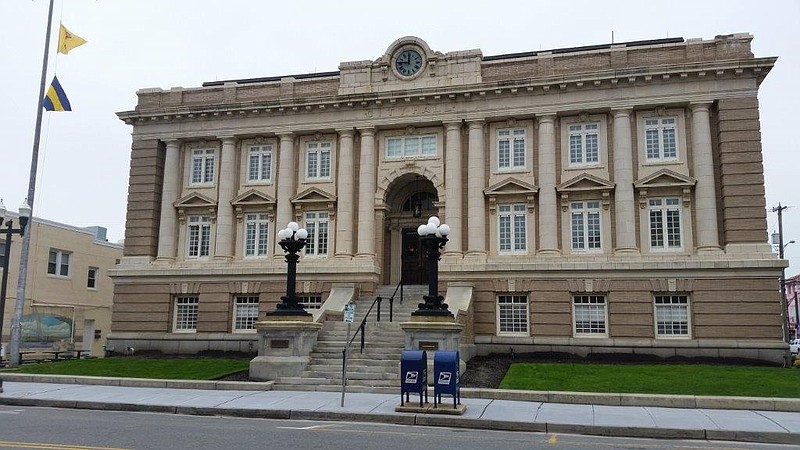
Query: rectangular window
pixel 661 143
pixel 512 228
pixel 256 232
pixel 199 240
pixel 259 164
pixel 91 278
pixel 318 160
pixel 317 227
pixel 672 315
pixel 310 301
pixel 58 263
pixel 584 147
pixel 665 223
pixel 512 314
pixel 511 149
pixel 590 314
pixel 245 313
pixel 585 225
pixel 185 320
pixel 410 146
pixel 203 166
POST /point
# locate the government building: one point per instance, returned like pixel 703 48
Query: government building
pixel 601 199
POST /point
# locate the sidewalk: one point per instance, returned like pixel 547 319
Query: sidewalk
pixel 748 425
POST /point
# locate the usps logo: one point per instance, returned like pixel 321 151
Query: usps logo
pixel 411 377
pixel 444 377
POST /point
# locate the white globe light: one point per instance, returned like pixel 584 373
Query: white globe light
pixel 302 233
pixel 281 234
pixel 422 230
pixel 434 220
pixel 438 234
pixel 293 226
pixel 444 229
pixel 430 228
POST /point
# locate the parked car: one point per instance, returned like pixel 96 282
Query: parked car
pixel 794 346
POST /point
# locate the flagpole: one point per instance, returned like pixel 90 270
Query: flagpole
pixel 16 330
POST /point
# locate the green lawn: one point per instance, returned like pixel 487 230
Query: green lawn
pixel 138 367
pixel 748 381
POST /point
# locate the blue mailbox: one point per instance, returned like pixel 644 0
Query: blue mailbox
pixel 446 377
pixel 413 374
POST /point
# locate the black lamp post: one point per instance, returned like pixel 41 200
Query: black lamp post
pixel 24 214
pixel 433 237
pixel 292 240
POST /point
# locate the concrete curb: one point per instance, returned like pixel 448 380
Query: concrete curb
pixel 426 420
pixel 582 398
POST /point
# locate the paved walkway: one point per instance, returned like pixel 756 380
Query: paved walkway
pixel 486 413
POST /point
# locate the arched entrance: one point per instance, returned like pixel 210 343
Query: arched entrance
pixel 411 199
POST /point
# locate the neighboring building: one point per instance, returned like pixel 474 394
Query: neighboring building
pixel 68 294
pixel 793 304
pixel 602 199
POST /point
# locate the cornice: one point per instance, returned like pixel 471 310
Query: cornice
pixel 756 68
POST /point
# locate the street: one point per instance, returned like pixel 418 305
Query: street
pixel 67 429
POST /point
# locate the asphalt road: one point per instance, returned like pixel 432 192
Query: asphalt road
pixel 71 429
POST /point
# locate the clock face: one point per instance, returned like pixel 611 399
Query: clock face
pixel 408 62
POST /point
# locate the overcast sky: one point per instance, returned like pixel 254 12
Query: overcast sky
pixel 84 154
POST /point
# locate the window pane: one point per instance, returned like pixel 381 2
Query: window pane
pixel 593 229
pixel 311 165
pixel 504 153
pixel 651 140
pixel 670 146
pixel 393 148
pixel 512 311
pixel 656 229
pixel 578 237
pixel 505 233
pixel 519 153
pixel 429 145
pixel 64 264
pixel 575 150
pixel 325 164
pixel 592 149
pixel 411 146
pixel 209 169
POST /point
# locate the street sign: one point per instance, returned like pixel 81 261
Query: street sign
pixel 349 312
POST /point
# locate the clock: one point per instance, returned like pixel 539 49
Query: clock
pixel 408 62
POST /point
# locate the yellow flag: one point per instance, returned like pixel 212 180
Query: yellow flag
pixel 67 40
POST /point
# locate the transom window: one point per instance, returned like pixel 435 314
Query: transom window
pixel 585 225
pixel 512 226
pixel 256 233
pixel 660 137
pixel 310 301
pixel 584 144
pixel 185 320
pixel 91 278
pixel 672 315
pixel 199 240
pixel 590 314
pixel 665 223
pixel 512 314
pixel 203 166
pixel 259 164
pixel 245 312
pixel 317 227
pixel 58 263
pixel 511 148
pixel 410 146
pixel 318 160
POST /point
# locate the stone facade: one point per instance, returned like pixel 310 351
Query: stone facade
pixel 607 198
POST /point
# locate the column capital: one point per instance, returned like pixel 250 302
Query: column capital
pixel 621 112
pixel 285 136
pixel 546 118
pixel 346 132
pixel 475 124
pixel 227 139
pixel 368 131
pixel 172 142
pixel 452 125
pixel 699 106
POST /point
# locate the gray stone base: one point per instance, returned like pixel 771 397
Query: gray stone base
pixel 284 346
pixel 272 367
pixel 429 408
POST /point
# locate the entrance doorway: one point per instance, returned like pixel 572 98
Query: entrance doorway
pixel 414 270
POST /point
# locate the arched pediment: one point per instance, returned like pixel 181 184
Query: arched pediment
pixel 664 178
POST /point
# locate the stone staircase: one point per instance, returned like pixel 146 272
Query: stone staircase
pixel 377 369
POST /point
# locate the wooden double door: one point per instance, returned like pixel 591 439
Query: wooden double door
pixel 414 265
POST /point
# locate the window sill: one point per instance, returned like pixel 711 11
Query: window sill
pixel 58 277
pixel 184 331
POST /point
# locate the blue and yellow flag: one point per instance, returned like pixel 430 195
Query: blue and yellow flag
pixel 56 99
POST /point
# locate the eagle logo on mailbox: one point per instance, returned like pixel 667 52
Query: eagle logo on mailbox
pixel 411 377
pixel 445 377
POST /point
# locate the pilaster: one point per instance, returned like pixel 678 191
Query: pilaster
pixel 169 194
pixel 548 208
pixel 624 204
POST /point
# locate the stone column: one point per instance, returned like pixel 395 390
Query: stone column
pixel 476 182
pixel 453 188
pixel 223 240
pixel 624 204
pixel 548 207
pixel 703 168
pixel 169 194
pixel 366 194
pixel 345 185
pixel 287 177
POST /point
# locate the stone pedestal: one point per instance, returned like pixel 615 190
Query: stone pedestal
pixel 284 345
pixel 431 333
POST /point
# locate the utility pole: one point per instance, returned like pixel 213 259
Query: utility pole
pixel 784 311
